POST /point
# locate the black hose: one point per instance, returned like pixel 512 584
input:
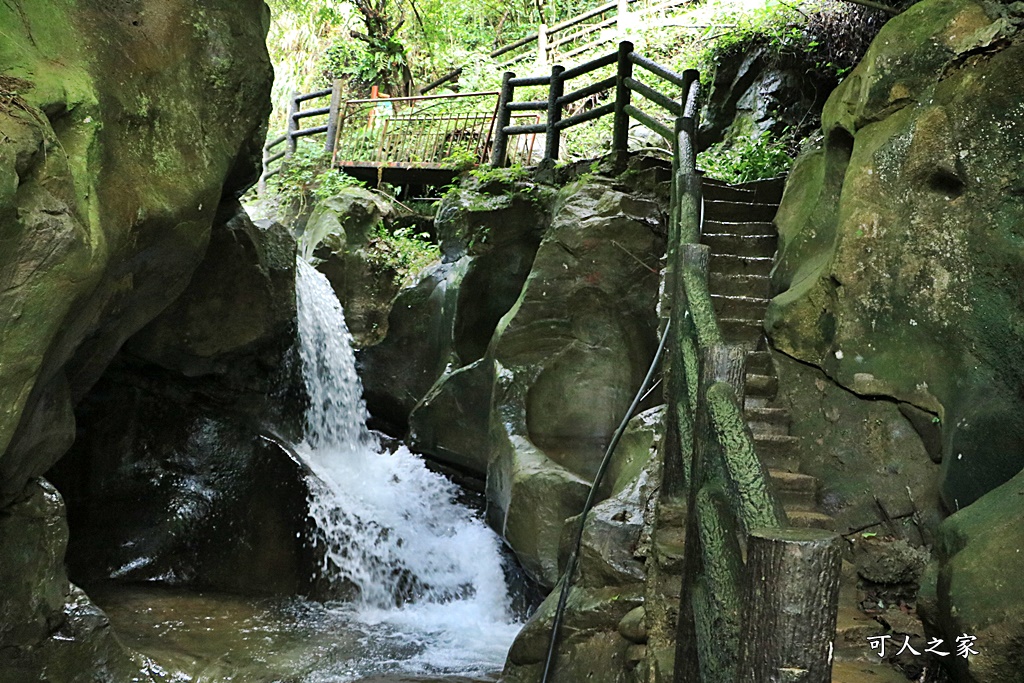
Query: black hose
pixel 570 570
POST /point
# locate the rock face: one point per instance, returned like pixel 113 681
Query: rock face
pixel 568 358
pixel 109 187
pixel 176 428
pixel 751 92
pixel 604 634
pixel 124 128
pixel 900 252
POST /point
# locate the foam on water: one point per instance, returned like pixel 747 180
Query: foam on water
pixel 428 571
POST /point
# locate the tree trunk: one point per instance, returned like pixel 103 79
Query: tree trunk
pixel 790 601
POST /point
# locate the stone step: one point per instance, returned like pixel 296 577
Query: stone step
pixel 763 386
pixel 740 245
pixel 751 307
pixel 810 519
pixel 797 492
pixel 768 191
pixel 777 451
pixel 865 672
pixel 740 265
pixel 716 210
pixel 768 420
pixel 760 363
pixel 719 191
pixel 754 228
pixel 724 284
pixel 740 330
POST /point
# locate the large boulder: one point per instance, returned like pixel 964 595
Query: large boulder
pixel 972 588
pixel 900 241
pixel 214 504
pixel 236 319
pixel 124 126
pixel 47 623
pixel 568 357
pixel 489 233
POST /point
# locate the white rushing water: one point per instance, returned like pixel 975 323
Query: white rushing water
pixel 428 571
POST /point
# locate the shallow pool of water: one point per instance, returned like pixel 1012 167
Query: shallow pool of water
pixel 220 638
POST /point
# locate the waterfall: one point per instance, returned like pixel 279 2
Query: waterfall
pixel 428 571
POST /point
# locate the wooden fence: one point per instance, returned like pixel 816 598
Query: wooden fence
pixel 426 132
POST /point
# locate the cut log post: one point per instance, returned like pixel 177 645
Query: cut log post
pixel 624 70
pixel 745 474
pixel 790 599
pixel 333 117
pixel 693 269
pixel 502 118
pixel 294 107
pixel 717 616
pixel 552 133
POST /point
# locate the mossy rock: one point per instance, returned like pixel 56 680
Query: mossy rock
pixel 972 587
pixel 900 237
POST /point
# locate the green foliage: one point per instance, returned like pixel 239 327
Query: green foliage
pixel 462 159
pixel 402 249
pixel 509 175
pixel 746 159
pixel 308 175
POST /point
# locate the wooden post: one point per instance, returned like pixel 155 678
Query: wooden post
pixel 542 45
pixel 622 20
pixel 552 133
pixel 620 135
pixel 332 117
pixel 790 601
pixel 502 118
pixel 725 363
pixel 292 143
pixel 689 193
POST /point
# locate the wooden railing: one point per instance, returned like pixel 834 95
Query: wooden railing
pixel 429 131
pixel 295 131
pixel 759 598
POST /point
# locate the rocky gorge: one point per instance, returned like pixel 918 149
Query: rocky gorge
pixel 152 394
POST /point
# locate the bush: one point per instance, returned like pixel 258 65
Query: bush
pixel 403 250
pixel 746 158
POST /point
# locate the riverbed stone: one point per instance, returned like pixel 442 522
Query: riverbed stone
pixel 900 237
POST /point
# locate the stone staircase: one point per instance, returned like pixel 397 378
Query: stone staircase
pixel 739 230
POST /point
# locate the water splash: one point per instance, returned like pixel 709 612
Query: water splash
pixel 427 570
